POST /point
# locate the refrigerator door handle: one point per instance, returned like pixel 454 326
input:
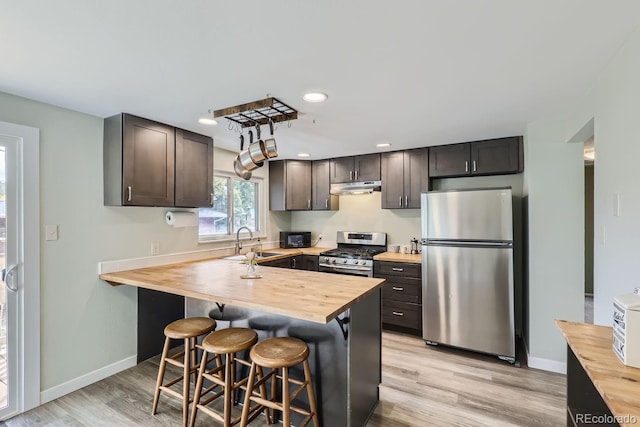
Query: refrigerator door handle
pixel 468 243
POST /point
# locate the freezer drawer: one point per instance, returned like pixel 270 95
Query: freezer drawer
pixel 468 298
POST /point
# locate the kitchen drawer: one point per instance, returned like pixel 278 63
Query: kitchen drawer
pixel 404 269
pixel 402 314
pixel 402 289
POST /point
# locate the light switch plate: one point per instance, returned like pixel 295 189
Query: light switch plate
pixel 51 232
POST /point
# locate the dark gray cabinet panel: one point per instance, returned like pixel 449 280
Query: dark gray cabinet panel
pixel 289 185
pixel 401 295
pixel 489 157
pixel 307 262
pixel 392 173
pixel 405 174
pixel 139 159
pixel 321 200
pixel 147 162
pixel 449 160
pixel 280 263
pixel 416 176
pixel 155 311
pixel 367 167
pixel 341 169
pixel 495 156
pixel 194 169
pixel 355 168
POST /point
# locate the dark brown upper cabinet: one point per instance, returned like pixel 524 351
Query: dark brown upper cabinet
pixel 405 174
pixel 140 164
pixel 289 185
pixel 321 200
pixel 355 168
pixel 194 169
pixel 489 157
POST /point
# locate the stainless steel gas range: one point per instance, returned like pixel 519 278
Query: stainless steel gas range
pixel 354 254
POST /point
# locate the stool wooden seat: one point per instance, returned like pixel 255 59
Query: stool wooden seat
pixel 189 330
pixel 280 353
pixel 226 342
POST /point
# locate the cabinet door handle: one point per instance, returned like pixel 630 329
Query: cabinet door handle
pixel 398 313
pixel 406 201
pixel 356 175
pixel 211 199
pixel 308 204
pixel 350 175
pixel 129 197
pixel 326 203
pixel 294 262
pixel 397 269
pixel 466 166
pixel 397 288
pixel 474 166
pixel 400 202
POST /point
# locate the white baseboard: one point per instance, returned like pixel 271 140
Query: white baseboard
pixel 86 379
pixel 544 364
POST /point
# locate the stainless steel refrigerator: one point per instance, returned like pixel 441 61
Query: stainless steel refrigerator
pixel 467 274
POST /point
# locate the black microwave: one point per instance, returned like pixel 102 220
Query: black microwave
pixel 295 239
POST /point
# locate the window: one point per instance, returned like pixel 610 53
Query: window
pixel 236 203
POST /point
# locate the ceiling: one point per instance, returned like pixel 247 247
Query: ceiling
pixel 411 73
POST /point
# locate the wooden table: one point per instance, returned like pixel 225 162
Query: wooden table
pixel 598 383
pixel 347 352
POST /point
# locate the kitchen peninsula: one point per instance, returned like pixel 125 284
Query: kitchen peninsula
pixel 337 315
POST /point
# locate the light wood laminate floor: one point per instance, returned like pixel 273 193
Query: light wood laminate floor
pixel 421 386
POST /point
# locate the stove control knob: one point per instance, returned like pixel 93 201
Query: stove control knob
pixel 345 261
pixel 333 261
pixel 326 259
pixel 356 262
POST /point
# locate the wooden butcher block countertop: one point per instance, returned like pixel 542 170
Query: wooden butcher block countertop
pixel 619 385
pixel 398 257
pixel 305 295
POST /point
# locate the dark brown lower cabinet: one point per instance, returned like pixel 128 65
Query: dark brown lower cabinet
pixel 298 262
pixel 401 295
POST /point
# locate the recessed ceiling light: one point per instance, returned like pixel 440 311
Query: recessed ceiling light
pixel 383 144
pixel 303 154
pixel 207 121
pixel 315 97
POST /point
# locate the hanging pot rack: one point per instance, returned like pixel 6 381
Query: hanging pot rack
pixel 259 112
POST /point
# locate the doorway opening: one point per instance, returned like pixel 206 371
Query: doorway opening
pixel 589 165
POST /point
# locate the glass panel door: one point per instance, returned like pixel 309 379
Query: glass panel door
pixel 9 278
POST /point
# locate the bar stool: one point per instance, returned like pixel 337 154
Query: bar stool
pixel 226 342
pixel 189 330
pixel 280 353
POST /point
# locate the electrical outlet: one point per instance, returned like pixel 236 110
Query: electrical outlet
pixel 155 248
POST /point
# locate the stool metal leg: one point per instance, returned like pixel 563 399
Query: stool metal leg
pixel 163 365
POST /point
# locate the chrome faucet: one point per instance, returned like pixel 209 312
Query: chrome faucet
pixel 238 243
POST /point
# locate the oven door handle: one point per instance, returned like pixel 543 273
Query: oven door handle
pixel 344 267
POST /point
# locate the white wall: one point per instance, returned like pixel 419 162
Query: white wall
pixel 617 112
pixel 86 323
pixel 554 177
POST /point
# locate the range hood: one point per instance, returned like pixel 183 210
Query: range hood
pixel 360 187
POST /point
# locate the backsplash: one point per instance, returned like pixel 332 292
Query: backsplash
pixel 359 212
